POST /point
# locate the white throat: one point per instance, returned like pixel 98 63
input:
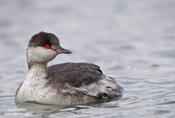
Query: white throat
pixel 36 71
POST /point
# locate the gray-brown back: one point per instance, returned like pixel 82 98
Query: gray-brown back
pixel 73 74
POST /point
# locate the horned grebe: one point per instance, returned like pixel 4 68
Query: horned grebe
pixel 62 84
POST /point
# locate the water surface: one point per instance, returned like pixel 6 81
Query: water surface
pixel 133 41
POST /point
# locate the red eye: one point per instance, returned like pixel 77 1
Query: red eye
pixel 47 46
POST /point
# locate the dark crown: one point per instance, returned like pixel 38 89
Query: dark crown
pixel 42 38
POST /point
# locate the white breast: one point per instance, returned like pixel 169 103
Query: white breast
pixel 33 88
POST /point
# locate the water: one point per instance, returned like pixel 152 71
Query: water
pixel 130 40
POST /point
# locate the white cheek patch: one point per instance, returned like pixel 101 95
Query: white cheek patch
pixel 40 54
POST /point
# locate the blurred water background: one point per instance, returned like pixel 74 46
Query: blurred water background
pixel 131 40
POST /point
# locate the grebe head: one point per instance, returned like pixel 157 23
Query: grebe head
pixel 43 47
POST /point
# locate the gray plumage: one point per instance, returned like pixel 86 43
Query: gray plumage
pixel 78 75
pixel 74 74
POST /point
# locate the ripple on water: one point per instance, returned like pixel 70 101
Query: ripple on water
pixel 131 40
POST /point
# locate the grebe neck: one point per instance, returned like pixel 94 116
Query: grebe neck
pixel 38 69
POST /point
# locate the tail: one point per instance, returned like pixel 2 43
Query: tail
pixel 111 90
pixel 106 89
